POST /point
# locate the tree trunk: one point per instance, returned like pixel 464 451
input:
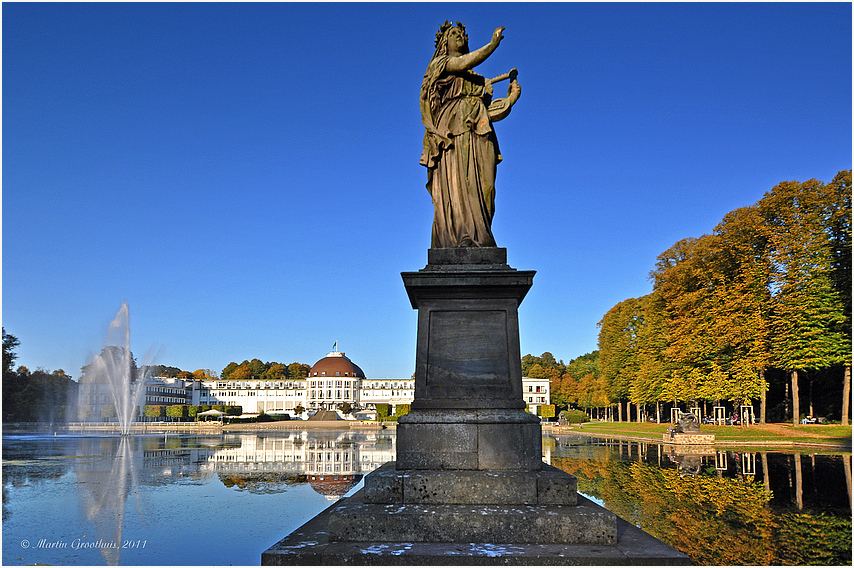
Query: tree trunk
pixel 796 402
pixel 619 411
pixel 846 395
pixel 762 403
pixel 640 414
pixel 812 412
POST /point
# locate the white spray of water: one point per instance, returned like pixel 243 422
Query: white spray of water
pixel 115 366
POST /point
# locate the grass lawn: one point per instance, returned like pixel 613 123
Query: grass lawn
pixel 831 433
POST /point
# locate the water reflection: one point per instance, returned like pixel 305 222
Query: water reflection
pixel 105 484
pixel 112 475
pixel 722 507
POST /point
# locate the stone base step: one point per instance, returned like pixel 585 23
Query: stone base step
pixel 577 524
pixel 549 486
pixel 310 545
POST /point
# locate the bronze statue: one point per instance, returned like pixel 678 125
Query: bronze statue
pixel 687 423
pixel 460 146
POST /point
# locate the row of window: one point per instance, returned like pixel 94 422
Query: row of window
pixel 318 394
pixel 320 384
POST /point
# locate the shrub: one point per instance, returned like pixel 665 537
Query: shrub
pixel 382 412
pixel 401 409
pixel 176 411
pixel 574 416
pixel 154 411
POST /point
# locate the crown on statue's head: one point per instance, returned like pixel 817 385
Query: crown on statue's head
pixel 444 28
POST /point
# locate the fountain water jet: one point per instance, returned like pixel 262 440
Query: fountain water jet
pixel 115 368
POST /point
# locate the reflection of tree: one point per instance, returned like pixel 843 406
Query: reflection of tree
pixel 715 520
pixel 813 539
pixel 262 482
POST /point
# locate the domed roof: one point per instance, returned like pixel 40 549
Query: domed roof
pixel 336 364
pixel 334 486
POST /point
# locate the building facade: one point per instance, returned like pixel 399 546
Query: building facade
pixel 536 393
pixel 394 392
pixel 333 381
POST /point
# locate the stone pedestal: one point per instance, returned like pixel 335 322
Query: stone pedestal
pixel 469 484
pixel 468 412
pixel 689 438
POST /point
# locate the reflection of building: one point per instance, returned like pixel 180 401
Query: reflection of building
pixel 333 463
pixel 536 393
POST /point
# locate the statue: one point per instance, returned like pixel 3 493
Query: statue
pixel 687 423
pixel 460 146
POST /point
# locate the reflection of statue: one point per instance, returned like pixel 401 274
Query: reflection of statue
pixel 460 147
pixel 688 465
pixel 687 423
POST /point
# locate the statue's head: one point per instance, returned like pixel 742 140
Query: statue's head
pixel 451 38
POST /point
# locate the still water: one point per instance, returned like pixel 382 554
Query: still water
pixel 223 499
pixel 720 507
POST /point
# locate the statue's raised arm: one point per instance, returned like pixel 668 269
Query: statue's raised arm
pixel 460 147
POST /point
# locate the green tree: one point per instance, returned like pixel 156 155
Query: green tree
pixel 276 372
pixel 154 411
pixel 807 316
pixel 298 371
pixel 108 411
pixel 383 412
pixel 742 302
pixel 653 370
pixel 10 342
pixel 226 373
pixel 178 411
pixel 547 410
pixel 618 348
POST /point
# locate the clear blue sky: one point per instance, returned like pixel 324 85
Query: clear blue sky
pixel 246 175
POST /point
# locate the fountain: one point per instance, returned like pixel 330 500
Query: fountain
pixel 113 375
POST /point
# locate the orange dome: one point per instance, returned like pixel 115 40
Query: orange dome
pixel 336 364
pixel 334 486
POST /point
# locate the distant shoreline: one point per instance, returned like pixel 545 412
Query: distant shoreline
pixel 770 441
pixel 160 427
pixel 590 431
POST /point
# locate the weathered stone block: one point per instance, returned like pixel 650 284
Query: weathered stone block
pixel 384 485
pixel 556 487
pixel 359 521
pixel 510 447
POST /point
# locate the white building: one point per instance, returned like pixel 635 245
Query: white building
pixel 255 396
pixel 387 391
pixel 536 393
pixel 333 381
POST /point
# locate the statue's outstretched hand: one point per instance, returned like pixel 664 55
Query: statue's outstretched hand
pixel 496 35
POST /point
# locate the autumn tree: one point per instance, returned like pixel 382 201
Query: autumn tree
pixel 808 312
pixel 298 371
pixel 618 349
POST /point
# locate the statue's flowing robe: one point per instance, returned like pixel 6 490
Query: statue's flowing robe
pixel 461 154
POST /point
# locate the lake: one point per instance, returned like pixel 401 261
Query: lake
pixel 222 499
